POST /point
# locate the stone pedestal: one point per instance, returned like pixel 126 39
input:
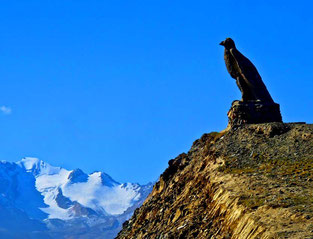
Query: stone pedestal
pixel 253 112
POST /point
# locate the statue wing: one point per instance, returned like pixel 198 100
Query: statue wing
pixel 250 75
pixel 246 69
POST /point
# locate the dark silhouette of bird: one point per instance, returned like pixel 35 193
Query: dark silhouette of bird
pixel 247 77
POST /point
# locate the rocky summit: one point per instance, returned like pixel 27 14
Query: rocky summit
pixel 252 181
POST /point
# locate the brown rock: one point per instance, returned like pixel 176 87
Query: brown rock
pixel 248 182
pixel 253 112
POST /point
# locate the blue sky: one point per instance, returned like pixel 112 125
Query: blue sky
pixel 124 86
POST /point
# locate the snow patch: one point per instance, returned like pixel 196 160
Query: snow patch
pixel 29 163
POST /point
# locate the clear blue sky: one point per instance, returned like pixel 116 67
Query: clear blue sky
pixel 124 86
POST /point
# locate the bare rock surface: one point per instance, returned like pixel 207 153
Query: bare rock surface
pixel 253 112
pixel 252 181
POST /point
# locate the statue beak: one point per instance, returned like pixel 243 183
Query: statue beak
pixel 222 43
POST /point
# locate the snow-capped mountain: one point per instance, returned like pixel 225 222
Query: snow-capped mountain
pixel 38 200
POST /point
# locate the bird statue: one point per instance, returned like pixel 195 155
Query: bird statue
pixel 247 77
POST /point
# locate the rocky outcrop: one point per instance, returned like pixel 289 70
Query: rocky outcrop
pixel 253 181
pixel 253 112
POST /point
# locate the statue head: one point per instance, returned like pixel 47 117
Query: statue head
pixel 228 43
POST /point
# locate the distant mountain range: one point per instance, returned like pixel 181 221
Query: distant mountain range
pixel 39 201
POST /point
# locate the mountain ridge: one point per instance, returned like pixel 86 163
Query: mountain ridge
pixel 61 203
pixel 252 181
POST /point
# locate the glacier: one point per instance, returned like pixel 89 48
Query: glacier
pixel 52 202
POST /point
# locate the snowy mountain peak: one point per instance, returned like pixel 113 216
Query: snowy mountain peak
pixel 107 180
pixel 77 176
pixel 37 166
pixel 66 200
pixel 30 163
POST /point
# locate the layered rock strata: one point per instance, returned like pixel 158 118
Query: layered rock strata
pixel 253 181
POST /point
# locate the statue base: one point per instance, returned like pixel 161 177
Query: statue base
pixel 253 112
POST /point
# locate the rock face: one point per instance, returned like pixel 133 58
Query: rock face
pixel 253 112
pixel 253 181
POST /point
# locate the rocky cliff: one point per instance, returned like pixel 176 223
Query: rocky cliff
pixel 253 181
